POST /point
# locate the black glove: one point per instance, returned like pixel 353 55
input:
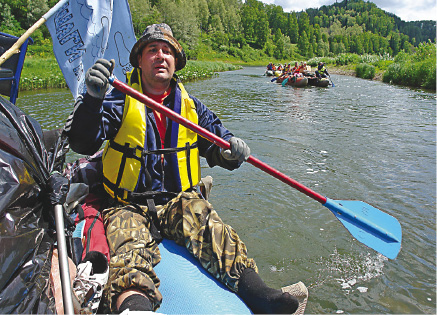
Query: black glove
pixel 58 187
pixel 96 78
pixel 239 150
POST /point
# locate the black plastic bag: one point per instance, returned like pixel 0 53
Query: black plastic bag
pixel 26 232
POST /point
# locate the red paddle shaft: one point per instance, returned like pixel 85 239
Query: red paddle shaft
pixel 212 137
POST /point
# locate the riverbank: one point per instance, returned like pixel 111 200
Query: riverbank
pixel 419 72
pixel 347 70
pixel 44 73
pixel 342 71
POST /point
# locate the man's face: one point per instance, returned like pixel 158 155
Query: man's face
pixel 157 62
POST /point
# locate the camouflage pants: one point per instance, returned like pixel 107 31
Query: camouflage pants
pixel 187 219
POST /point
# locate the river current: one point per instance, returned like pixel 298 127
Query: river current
pixel 360 140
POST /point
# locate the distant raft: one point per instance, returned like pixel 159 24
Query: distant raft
pixel 315 81
pixel 293 81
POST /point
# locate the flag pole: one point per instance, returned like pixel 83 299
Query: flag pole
pixel 16 47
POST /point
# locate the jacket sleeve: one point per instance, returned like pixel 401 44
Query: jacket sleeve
pixel 93 121
pixel 210 121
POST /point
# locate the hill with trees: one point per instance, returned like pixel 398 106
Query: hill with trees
pixel 251 30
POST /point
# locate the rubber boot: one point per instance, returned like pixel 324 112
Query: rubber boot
pixel 136 302
pixel 262 299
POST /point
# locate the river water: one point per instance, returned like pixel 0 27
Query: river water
pixel 360 140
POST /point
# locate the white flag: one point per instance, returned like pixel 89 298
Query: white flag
pixel 86 30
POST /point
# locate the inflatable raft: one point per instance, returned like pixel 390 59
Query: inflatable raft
pixel 271 73
pixel 314 81
pixel 293 81
pixel 297 81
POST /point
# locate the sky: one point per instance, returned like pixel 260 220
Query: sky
pixel 407 10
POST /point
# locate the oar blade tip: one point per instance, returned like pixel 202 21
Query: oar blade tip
pixel 369 225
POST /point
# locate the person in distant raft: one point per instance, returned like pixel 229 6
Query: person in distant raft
pixel 321 71
pixel 151 168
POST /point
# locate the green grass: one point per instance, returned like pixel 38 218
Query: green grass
pixel 195 70
pixel 44 72
pixel 41 73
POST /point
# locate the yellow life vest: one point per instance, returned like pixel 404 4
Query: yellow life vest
pixel 123 156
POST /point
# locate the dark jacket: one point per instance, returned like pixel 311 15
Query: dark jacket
pixel 322 69
pixel 93 121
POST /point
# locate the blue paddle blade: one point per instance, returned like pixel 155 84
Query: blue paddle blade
pixel 284 82
pixel 370 226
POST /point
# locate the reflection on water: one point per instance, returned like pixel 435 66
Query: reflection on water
pixel 362 140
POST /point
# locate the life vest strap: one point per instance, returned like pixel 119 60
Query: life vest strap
pixel 134 154
pixel 139 198
pixel 152 215
pixel 170 150
pixel 128 152
pixel 187 147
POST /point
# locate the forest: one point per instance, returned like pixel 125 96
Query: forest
pixel 251 30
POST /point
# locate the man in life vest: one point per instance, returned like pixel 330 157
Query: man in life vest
pixel 295 68
pixel 151 169
pixel 321 71
pixel 303 68
pixel 288 68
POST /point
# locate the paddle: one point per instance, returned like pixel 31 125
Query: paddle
pixel 371 226
pixel 285 81
pixel 331 80
pixel 274 79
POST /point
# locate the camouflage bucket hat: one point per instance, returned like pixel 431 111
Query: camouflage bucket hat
pixel 158 32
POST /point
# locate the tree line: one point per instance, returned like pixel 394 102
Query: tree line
pixel 252 29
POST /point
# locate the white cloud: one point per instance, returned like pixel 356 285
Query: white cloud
pixel 407 10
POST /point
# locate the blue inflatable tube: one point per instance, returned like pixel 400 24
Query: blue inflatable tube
pixel 187 288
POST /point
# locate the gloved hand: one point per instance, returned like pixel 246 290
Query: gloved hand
pixel 58 187
pixel 96 78
pixel 239 150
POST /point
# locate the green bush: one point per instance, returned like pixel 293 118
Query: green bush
pixel 236 52
pixel 429 80
pixel 313 62
pixel 392 73
pixel 410 73
pixel 407 75
pixel 402 57
pixel 345 59
pixel 425 51
pixel 417 70
pixel 382 64
pixel 370 59
pixel 365 71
